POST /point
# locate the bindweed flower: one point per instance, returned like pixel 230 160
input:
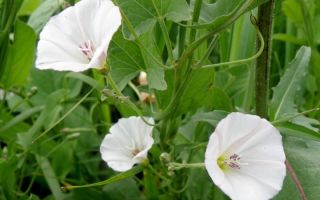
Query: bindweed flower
pixel 77 39
pixel 245 157
pixel 127 143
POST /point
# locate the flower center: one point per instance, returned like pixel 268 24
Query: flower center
pixel 231 162
pixel 135 152
pixel 87 49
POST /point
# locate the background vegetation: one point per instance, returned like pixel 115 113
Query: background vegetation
pixel 52 123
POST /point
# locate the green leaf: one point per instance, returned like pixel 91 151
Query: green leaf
pixel 200 92
pixel 292 10
pixel 305 159
pixel 156 78
pixel 7 178
pixel 43 13
pixel 125 60
pixel 213 118
pixel 10 134
pixel 50 176
pixel 283 101
pixel 20 118
pixel 28 6
pixel 175 10
pixel 19 57
pixel 296 130
pixel 221 13
pixel 126 189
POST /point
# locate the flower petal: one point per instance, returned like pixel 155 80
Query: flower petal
pixel 235 126
pixel 119 159
pixel 127 144
pixel 64 35
pixel 254 163
pixel 247 188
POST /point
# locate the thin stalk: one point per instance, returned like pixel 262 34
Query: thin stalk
pixel 242 61
pixel 263 62
pixel 178 166
pixel 182 80
pixel 127 100
pixel 262 75
pixel 209 51
pixel 296 180
pixel 165 32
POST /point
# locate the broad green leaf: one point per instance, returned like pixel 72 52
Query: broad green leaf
pixel 126 189
pixel 213 117
pixel 156 78
pixel 221 13
pixel 43 13
pixel 20 56
pixel 296 130
pixel 125 60
pixel 84 78
pixel 200 92
pixel 305 159
pixel 175 10
pixel 48 81
pixel 283 101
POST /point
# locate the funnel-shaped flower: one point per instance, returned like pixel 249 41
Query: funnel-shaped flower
pixel 77 39
pixel 127 143
pixel 245 157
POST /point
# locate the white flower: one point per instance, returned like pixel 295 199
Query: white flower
pixel 245 157
pixel 127 143
pixel 77 39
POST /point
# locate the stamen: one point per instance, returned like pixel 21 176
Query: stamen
pixel 87 49
pixel 232 162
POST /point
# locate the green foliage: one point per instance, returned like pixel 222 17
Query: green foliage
pixel 304 158
pixel 284 93
pixel 52 123
pixel 20 56
pixel 149 11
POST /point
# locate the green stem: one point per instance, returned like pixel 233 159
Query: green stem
pixel 178 166
pixel 242 61
pixel 113 179
pixel 165 33
pixel 208 52
pixel 127 100
pixel 263 62
pixel 184 74
pixel 186 54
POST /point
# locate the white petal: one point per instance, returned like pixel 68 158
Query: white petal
pixel 211 157
pixel 119 159
pixel 60 40
pixel 247 188
pixel 259 146
pixel 127 136
pixel 235 126
pixel 270 173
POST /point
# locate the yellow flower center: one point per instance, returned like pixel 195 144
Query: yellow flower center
pixel 229 162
